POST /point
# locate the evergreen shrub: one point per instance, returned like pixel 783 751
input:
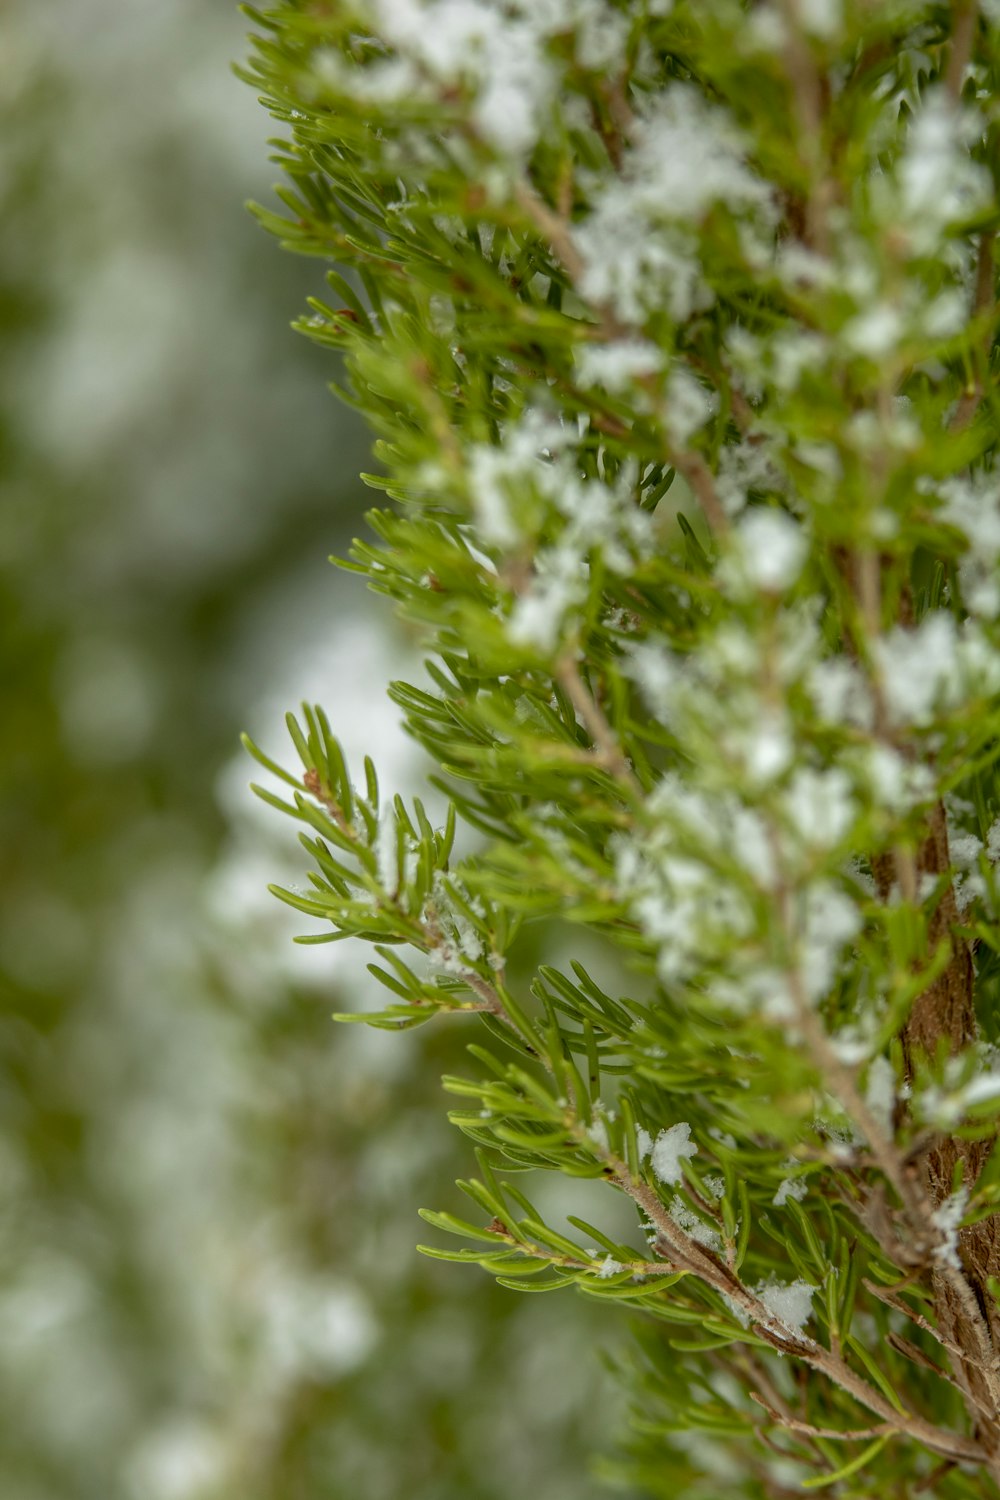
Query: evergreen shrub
pixel 675 325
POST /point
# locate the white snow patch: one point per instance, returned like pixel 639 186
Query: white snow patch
pixel 939 182
pixel 688 406
pixel 820 806
pixel 880 1094
pixel 617 364
pixel 789 1303
pixel 875 332
pixel 840 692
pixel 499 51
pixel 386 855
pixel 693 1225
pixel 790 1188
pixel 917 665
pixel 947 1217
pixel 993 842
pixel 639 243
pixel 770 550
pixel 823 18
pixel 671 1146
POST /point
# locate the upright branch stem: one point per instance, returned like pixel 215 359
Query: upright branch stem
pixel 963 35
pixel 613 757
pixel 555 229
pixel 807 89
pixel 699 476
pixel 984 302
pixel 943 1012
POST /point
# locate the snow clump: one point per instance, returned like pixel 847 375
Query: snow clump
pixel 670 1147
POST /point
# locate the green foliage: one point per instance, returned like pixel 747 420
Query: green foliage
pixel 675 326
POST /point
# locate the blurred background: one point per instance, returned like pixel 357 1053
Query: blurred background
pixel 208 1192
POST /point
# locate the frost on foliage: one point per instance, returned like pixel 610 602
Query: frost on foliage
pixel 689 885
pixel 789 1302
pixel 532 482
pixel 507 479
pixel 781 360
pixel 558 586
pixel 965 850
pixel 828 920
pixel 458 943
pixel 619 364
pixel 972 505
pixel 715 698
pixel 688 406
pixel 939 184
pixel 880 1093
pixel 895 783
pixel 693 880
pixel 386 855
pixel 502 51
pixel 935 666
pixel 744 467
pixel 669 1148
pixel 823 18
pixel 947 1218
pixel 638 246
pixel 945 1105
pixel 693 1225
pixel 840 692
pixel 792 1189
pixel 597 1131
pixel 768 551
pixel 820 806
pixel 609 1267
pixel 875 331
pixel 675 895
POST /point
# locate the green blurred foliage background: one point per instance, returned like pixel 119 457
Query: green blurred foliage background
pixel 208 1193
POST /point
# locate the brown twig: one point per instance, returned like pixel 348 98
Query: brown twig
pixel 984 298
pixel 794 1424
pixel 555 229
pixel 613 757
pixel 699 476
pixel 702 1262
pixel 962 37
pixel 808 85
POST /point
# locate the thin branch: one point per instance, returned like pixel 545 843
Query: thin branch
pixel 984 298
pixel 962 37
pixel 886 1295
pixel 312 784
pixel 490 999
pixel 858 1435
pixel 756 1371
pixel 691 1256
pixel 807 89
pixel 613 757
pixel 555 229
pixel 489 996
pixel 699 476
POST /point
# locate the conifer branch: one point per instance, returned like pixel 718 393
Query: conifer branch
pixel 625 259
